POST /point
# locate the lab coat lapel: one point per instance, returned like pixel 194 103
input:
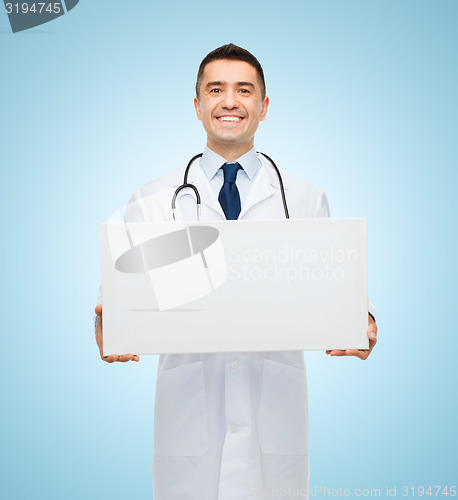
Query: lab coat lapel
pixel 260 190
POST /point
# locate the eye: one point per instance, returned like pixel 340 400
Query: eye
pixel 244 91
pixel 215 91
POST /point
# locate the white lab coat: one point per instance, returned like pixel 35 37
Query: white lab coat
pixel 230 425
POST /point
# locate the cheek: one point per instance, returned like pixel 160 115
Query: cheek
pixel 205 114
pixel 256 110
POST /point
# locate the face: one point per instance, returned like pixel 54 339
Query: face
pixel 230 104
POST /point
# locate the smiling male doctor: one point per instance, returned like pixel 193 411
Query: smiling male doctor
pixel 230 425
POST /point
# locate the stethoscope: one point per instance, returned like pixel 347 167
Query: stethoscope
pixel 196 192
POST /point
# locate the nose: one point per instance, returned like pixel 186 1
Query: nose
pixel 230 100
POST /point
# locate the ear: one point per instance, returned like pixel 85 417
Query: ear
pixel 197 106
pixel 265 105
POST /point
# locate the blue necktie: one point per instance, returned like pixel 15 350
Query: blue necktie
pixel 229 197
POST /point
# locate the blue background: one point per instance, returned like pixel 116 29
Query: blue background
pixel 99 101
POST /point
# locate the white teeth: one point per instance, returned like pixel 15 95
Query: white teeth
pixel 229 118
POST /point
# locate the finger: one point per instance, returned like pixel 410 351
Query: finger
pixel 98 310
pixel 111 358
pixel 99 336
pixel 123 358
pixel 372 332
pixel 361 354
pixel 336 352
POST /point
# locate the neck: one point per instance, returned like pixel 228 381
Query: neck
pixel 230 152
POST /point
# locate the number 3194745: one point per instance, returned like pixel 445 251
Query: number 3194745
pixel 34 8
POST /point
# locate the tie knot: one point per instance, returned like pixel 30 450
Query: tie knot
pixel 230 171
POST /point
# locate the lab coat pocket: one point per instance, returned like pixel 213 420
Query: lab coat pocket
pixel 180 416
pixel 283 416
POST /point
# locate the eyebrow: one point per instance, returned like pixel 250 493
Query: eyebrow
pixel 239 84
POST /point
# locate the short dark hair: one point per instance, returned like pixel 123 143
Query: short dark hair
pixel 231 52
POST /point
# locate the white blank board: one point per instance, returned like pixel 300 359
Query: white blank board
pixel 232 286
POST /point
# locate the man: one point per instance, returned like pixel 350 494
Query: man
pixel 230 425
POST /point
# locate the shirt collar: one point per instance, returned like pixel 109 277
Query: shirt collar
pixel 211 162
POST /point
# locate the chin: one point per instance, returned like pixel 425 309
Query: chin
pixel 229 138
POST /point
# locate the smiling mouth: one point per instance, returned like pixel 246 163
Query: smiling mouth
pixel 229 118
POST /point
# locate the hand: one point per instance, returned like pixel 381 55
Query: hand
pixel 99 338
pixel 364 353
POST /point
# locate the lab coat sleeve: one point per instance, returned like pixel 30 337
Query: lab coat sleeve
pixel 371 309
pixel 135 209
pixel 322 206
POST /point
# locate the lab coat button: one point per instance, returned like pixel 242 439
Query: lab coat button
pixel 234 364
pixel 233 429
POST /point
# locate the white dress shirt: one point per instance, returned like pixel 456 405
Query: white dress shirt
pixel 212 162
